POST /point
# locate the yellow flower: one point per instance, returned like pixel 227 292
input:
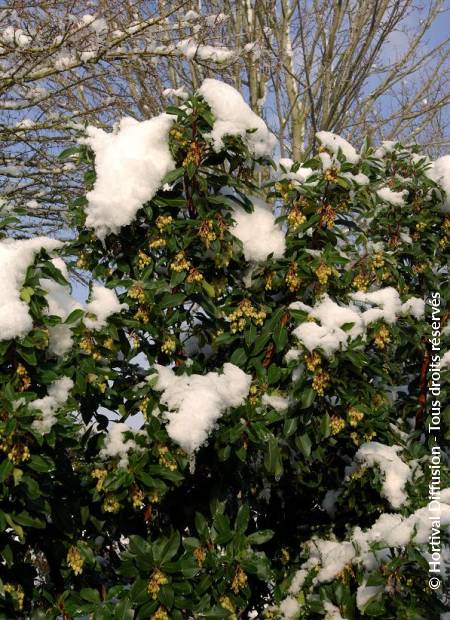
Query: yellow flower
pixel 143 260
pixel 137 497
pixel 206 232
pixel 239 580
pixel 111 504
pixel 336 424
pixel 323 272
pixel 16 592
pixel 155 582
pixel 295 218
pixel 169 345
pixel 137 292
pixel 354 416
pixel 226 603
pixel 292 278
pixel 194 276
pixel 74 560
pixel 382 337
pixel 159 242
pixel 180 263
pixel 313 361
pixel 162 221
pixel 100 475
pixel 160 614
pixel 320 382
pixel 361 282
pixel 19 453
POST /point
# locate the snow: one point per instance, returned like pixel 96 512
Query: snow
pixel 388 303
pixel 258 232
pixel 396 472
pixel 333 557
pixel 130 164
pixel 233 117
pixel 396 199
pixel 58 394
pixel 196 402
pixel 333 612
pixel 103 304
pixel 365 593
pixel 116 445
pixel 190 49
pixel 300 176
pixel 176 92
pixel 289 608
pixel 415 307
pixel 445 360
pixel 439 172
pixel 60 303
pixel 15 258
pixel 329 335
pixel 334 143
pixel 279 403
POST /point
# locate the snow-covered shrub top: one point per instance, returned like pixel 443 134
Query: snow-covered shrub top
pixel 130 164
pixel 236 420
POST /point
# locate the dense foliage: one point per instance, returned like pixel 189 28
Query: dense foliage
pixel 144 529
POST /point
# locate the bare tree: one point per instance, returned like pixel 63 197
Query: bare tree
pixel 355 67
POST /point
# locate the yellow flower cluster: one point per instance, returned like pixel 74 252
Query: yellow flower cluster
pixel 320 382
pixel 74 560
pixel 253 394
pixel 99 475
pixel 180 263
pixel 162 221
pixel 17 453
pixel 194 276
pixel 165 458
pixel 155 582
pixel 178 136
pixel 323 272
pixel 87 345
pixel 268 284
pixel 226 603
pixel 420 226
pixel 109 344
pixel 378 260
pixel 361 282
pixel 331 174
pixel 206 232
pixel 336 424
pixel 313 360
pixel 194 155
pixel 157 243
pixel 284 188
pixel 382 337
pixel 16 592
pixel 327 216
pixel 24 379
pixel 137 497
pixel 142 315
pixel 143 260
pixel 295 218
pixel 160 614
pixel 354 416
pixel 292 278
pixel 200 555
pixel 168 346
pixel 239 580
pixel 244 311
pixel 137 292
pixel 83 261
pixel 111 504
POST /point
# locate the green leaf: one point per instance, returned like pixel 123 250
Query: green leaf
pixel 242 519
pixel 239 357
pixel 307 398
pixel 304 444
pixel 123 610
pixel 261 537
pixel 272 459
pixel 41 464
pixel 89 594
